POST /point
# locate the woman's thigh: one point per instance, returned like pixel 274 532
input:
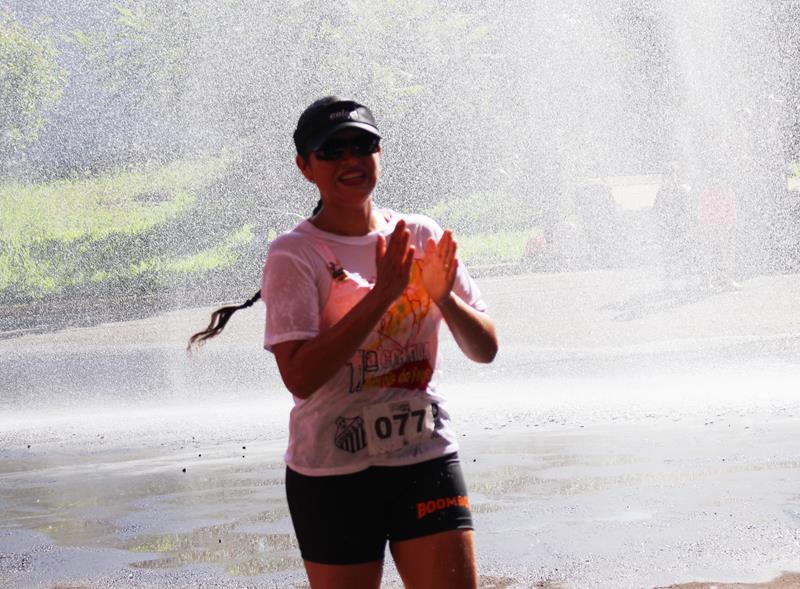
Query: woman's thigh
pixel 429 498
pixel 439 561
pixel 431 539
pixel 342 523
pixel 338 520
pixel 344 576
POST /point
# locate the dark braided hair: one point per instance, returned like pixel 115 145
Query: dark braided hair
pixel 219 319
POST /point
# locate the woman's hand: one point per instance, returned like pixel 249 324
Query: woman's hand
pixel 473 330
pixel 393 263
pixel 439 267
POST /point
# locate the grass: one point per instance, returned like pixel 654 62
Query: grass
pixel 489 228
pixel 127 202
pixel 501 247
pixel 80 236
pixel 71 232
pixel 221 256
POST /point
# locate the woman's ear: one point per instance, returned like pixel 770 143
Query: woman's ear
pixel 305 167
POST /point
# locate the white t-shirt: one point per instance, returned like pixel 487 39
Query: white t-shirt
pixel 371 411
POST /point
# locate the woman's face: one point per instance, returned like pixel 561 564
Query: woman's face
pixel 347 181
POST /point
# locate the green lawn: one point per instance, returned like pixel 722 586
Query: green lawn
pixel 146 227
pixel 501 247
pixel 79 231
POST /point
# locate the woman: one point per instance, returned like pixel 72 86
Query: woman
pixel 355 296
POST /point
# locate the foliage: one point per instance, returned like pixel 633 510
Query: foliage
pixel 213 258
pixel 31 82
pixel 79 231
pixel 501 247
pixel 238 69
pixel 125 228
pixel 143 58
pixel 484 212
pixel 490 228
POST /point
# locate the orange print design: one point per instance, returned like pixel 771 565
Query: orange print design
pixel 411 375
pixel 405 317
pixel 397 337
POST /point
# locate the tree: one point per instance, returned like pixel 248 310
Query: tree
pixel 31 83
pixel 238 73
pixel 142 57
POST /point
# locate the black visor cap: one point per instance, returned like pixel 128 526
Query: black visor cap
pixel 318 123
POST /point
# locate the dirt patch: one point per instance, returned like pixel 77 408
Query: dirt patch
pixel 785 581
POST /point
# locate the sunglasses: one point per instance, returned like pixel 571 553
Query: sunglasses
pixel 359 146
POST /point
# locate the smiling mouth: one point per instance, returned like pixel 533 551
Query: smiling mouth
pixel 351 177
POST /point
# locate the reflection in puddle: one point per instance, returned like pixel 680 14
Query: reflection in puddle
pixel 505 582
pixel 786 581
pixel 272 515
pixel 485 507
pixel 239 554
pixel 133 509
pixel 501 482
pixel 100 533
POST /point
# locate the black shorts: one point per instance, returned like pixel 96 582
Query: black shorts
pixel 347 519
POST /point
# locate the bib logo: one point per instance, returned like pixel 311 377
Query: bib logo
pixel 350 435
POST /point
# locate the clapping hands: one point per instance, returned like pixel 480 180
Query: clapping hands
pixel 393 263
pixel 440 267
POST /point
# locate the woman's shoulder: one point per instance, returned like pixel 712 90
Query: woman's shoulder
pixel 292 243
pixel 420 224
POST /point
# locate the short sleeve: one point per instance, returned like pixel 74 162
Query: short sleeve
pixel 292 297
pixel 465 287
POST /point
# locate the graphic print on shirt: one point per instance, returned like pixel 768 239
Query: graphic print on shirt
pixel 350 434
pixel 394 359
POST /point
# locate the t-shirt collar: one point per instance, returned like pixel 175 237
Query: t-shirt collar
pixel 388 217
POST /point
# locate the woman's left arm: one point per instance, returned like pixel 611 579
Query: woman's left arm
pixel 473 330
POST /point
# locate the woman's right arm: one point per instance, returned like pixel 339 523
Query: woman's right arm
pixel 305 365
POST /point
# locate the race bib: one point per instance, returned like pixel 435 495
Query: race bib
pixel 391 426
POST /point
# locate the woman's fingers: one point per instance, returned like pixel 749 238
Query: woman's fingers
pixel 399 242
pixel 398 248
pixel 443 252
pixel 380 250
pixel 440 266
pixel 395 260
pixel 394 265
pixel 449 257
pixel 447 247
pixel 402 275
pixel 431 249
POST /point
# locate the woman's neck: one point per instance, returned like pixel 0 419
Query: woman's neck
pixel 347 221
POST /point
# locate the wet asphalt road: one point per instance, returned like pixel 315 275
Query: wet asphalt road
pixel 594 323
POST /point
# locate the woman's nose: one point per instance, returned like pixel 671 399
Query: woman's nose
pixel 349 153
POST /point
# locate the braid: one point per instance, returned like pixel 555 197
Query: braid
pixel 219 319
